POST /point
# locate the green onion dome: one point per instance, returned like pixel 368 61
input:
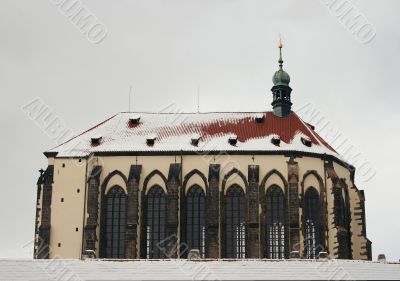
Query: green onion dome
pixel 281 78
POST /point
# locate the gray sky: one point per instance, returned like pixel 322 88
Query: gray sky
pixel 165 49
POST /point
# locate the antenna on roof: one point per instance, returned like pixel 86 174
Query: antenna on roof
pixel 198 99
pixel 129 103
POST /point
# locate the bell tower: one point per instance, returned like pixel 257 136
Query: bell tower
pixel 281 103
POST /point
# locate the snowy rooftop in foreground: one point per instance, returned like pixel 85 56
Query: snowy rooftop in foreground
pixel 172 132
pixel 62 270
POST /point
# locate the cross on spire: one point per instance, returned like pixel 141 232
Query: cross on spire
pixel 280 46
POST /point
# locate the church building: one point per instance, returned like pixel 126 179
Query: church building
pixel 220 185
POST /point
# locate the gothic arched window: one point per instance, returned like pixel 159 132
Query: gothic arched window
pixel 235 231
pixel 339 207
pixel 115 222
pixel 275 223
pixel 342 219
pixel 311 219
pixel 195 219
pixel 155 215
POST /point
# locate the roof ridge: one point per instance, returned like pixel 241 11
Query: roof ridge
pixel 84 132
pixel 208 112
pixel 320 140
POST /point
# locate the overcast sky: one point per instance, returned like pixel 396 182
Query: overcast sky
pixel 165 50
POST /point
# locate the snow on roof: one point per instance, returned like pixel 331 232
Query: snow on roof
pixel 71 270
pixel 259 115
pixel 195 136
pixel 134 116
pixel 151 136
pixel 174 132
pixel 96 136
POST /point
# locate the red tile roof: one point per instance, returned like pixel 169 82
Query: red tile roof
pixel 173 133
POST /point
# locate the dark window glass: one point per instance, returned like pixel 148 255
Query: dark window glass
pixel 195 219
pixel 155 215
pixel 344 246
pixel 275 223
pixel 115 223
pixel 235 232
pixel 342 218
pixel 311 215
pixel 339 207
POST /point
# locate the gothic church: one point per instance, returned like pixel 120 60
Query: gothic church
pixel 233 185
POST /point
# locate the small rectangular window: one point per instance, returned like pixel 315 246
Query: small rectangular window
pixel 260 118
pixel 276 140
pixel 233 139
pixel 306 141
pixel 96 140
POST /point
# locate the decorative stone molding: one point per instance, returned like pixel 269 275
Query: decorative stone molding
pixel 292 208
pixel 43 245
pixel 132 216
pixel 345 244
pixel 172 218
pixel 252 216
pixel 269 174
pixel 38 212
pixel 212 212
pixel 229 174
pixel 189 175
pixel 148 178
pixel 92 205
pixel 93 196
pixel 341 213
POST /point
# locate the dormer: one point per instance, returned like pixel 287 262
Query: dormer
pixel 233 139
pixel 150 140
pixel 95 140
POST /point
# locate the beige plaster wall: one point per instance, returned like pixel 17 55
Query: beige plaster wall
pixel 67 216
